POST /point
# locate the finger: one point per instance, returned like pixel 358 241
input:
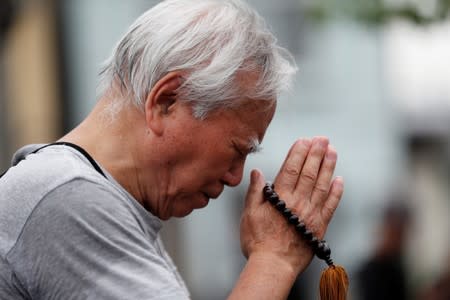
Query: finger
pixel 322 187
pixel 308 177
pixel 254 193
pixel 290 170
pixel 334 197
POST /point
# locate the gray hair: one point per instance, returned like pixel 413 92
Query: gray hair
pixel 212 42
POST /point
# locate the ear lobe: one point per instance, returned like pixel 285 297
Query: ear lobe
pixel 161 100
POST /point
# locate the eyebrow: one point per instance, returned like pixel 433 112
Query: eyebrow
pixel 254 145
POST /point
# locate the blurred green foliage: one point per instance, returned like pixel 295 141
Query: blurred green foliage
pixel 377 12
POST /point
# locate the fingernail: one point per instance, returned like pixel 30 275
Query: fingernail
pixel 339 181
pixel 321 141
pixel 331 153
pixel 324 142
pixel 307 142
pixel 254 176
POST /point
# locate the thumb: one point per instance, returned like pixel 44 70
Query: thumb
pixel 254 192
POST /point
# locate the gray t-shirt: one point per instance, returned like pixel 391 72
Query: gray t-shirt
pixel 66 232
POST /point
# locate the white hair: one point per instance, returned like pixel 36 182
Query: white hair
pixel 212 42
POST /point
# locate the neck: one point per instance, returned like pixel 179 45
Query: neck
pixel 111 141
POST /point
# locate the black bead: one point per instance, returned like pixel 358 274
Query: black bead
pixel 293 219
pixel 323 251
pixel 267 189
pixel 273 199
pixel 287 213
pixel 280 205
pixel 308 235
pixel 314 243
pixel 300 227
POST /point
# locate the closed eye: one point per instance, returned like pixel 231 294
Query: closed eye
pixel 240 152
pixel 252 147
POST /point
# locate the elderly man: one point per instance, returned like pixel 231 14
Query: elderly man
pixel 187 94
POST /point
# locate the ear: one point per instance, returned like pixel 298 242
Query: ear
pixel 161 100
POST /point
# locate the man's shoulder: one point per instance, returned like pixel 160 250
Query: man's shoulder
pixel 33 175
pixel 23 152
pixel 48 163
pixel 77 208
pixel 86 198
pixel 25 186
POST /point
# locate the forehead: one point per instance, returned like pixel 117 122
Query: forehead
pixel 251 110
pixel 248 120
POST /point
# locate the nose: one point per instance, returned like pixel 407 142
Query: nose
pixel 234 175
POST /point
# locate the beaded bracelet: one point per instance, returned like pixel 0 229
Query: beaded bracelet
pixel 334 280
pixel 320 247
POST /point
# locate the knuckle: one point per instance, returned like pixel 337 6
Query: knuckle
pixel 330 208
pixel 308 177
pixel 321 189
pixel 292 171
pixel 328 213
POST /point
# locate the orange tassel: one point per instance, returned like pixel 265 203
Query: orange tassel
pixel 333 283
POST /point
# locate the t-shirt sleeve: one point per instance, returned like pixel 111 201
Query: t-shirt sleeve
pixel 85 242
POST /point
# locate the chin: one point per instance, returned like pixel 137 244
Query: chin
pixel 184 213
pixel 203 201
pixel 186 205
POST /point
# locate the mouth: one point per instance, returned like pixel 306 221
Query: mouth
pixel 213 194
pixel 209 195
pixel 206 198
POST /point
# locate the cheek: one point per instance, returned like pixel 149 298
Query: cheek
pixel 226 162
pixel 217 155
pixel 205 165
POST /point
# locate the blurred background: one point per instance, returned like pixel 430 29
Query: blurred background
pixel 374 77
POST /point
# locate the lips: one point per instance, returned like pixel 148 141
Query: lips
pixel 213 194
pixel 207 195
pixel 204 202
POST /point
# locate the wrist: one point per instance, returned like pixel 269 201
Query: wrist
pixel 276 265
pixel 265 277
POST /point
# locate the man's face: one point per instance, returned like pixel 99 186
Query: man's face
pixel 205 155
